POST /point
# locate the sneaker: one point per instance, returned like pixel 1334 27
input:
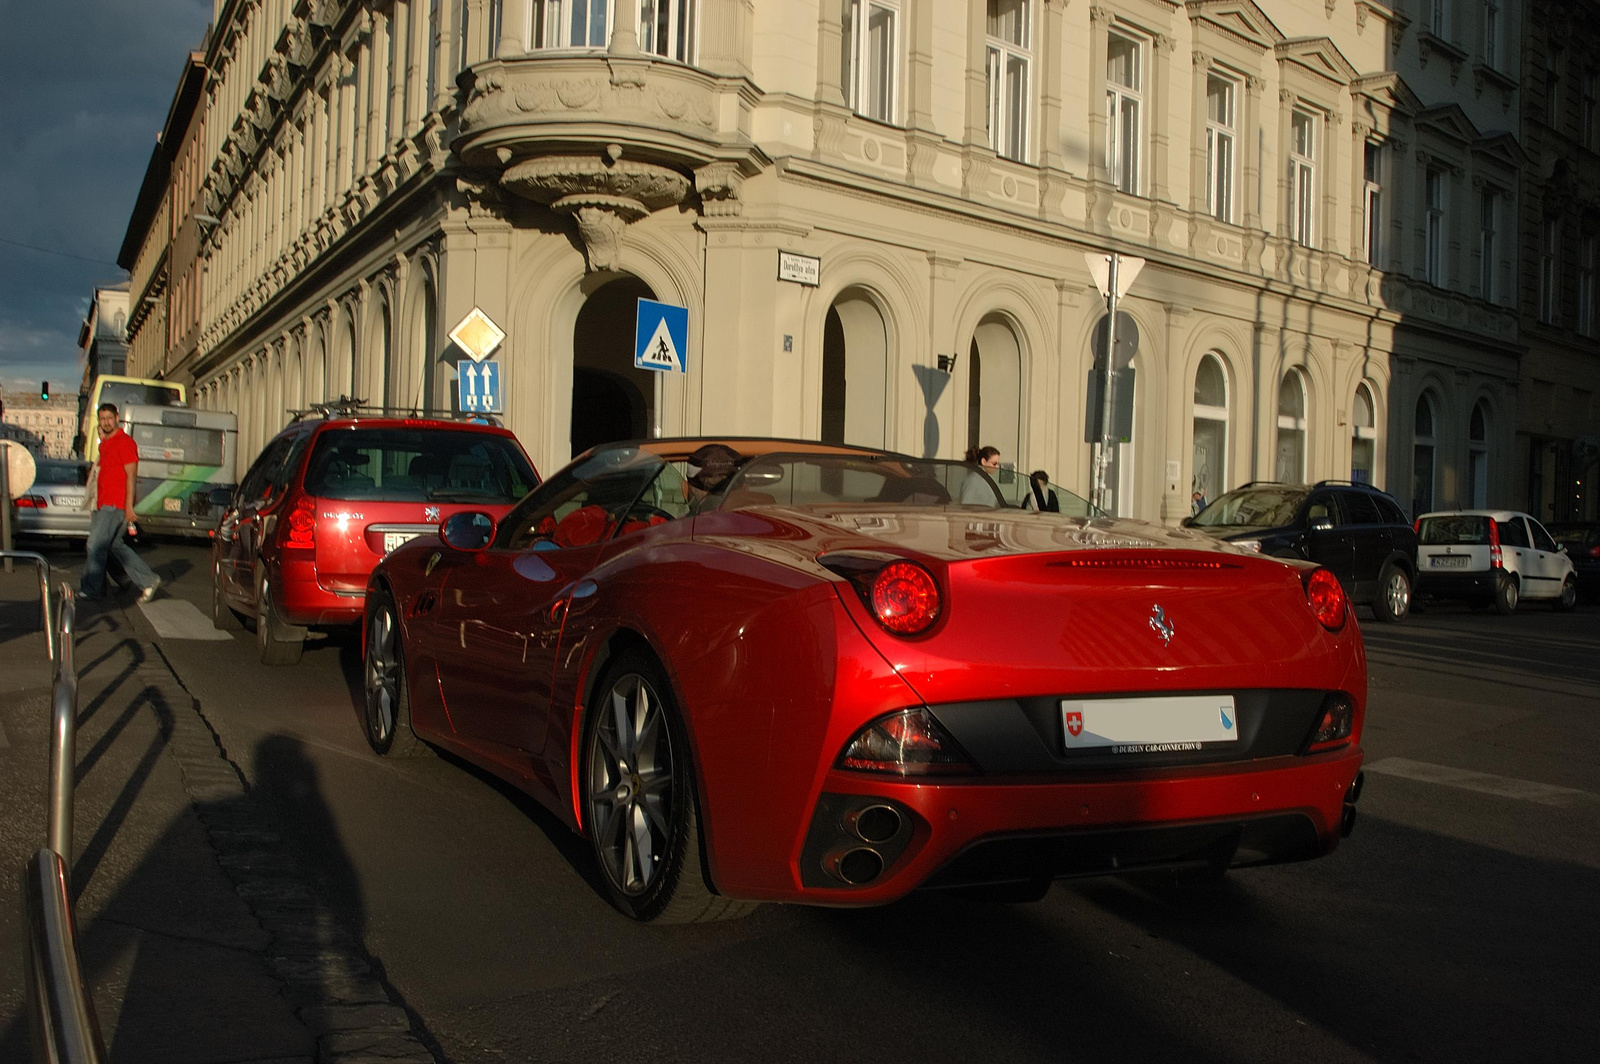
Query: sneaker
pixel 150 592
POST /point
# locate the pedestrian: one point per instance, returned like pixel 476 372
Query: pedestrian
pixel 978 489
pixel 115 491
pixel 1197 502
pixel 1041 497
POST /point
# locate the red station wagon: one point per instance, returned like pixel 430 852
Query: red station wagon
pixel 330 496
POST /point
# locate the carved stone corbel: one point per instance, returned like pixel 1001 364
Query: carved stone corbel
pixel 602 194
pixel 718 185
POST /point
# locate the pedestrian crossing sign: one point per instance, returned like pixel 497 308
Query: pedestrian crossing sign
pixel 661 337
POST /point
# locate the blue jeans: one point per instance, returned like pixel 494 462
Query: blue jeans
pixel 105 537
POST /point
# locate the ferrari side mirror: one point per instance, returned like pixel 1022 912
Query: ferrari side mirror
pixel 468 531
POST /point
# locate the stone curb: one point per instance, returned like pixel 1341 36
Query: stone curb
pixel 323 971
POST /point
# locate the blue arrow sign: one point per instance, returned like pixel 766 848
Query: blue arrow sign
pixel 661 337
pixel 478 389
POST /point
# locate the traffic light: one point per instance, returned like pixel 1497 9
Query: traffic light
pixel 44 391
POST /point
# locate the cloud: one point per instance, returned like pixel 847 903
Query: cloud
pixel 84 89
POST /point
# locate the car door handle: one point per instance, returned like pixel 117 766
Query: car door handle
pixel 559 607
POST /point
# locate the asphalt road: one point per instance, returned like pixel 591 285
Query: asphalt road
pixel 1457 923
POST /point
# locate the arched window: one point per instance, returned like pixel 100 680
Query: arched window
pixel 1478 458
pixel 1209 477
pixel 1423 454
pixel 1291 459
pixel 1364 429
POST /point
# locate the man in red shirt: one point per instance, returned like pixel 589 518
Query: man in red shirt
pixel 115 494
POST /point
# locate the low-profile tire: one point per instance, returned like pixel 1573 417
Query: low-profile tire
pixel 640 808
pixel 1506 593
pixel 1393 602
pixel 1569 595
pixel 223 619
pixel 277 641
pixel 386 719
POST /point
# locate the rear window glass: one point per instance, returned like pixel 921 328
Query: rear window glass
pixel 1456 529
pixel 412 465
pixel 1253 508
pixel 49 472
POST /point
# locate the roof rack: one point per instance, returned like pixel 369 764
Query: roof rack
pixel 1351 484
pixel 345 406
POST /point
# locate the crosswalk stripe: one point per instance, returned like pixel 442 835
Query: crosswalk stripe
pixel 1482 782
pixel 175 618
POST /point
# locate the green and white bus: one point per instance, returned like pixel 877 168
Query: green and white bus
pixel 184 455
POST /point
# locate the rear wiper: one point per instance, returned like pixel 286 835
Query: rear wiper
pixel 461 495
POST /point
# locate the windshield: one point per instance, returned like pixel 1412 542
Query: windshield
pixel 413 465
pixel 1264 507
pixel 1457 529
pixel 834 479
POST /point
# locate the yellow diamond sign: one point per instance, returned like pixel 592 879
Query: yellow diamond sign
pixel 477 335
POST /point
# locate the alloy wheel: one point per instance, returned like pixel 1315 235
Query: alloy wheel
pixel 1398 594
pixel 631 798
pixel 383 677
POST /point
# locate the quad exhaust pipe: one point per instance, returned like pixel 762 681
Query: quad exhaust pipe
pixel 874 825
pixel 1347 818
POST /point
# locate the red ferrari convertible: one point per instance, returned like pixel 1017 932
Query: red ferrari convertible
pixel 755 670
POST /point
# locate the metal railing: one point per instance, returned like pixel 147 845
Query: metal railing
pixel 64 1023
pixel 40 563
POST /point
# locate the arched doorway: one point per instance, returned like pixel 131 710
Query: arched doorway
pixel 1423 450
pixel 1478 457
pixel 1290 466
pixel 994 390
pixel 612 399
pixel 1209 475
pixel 1364 436
pixel 855 371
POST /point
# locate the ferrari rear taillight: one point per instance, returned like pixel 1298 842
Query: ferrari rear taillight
pixel 901 595
pixel 905 599
pixel 1495 559
pixel 300 525
pixel 1326 598
pixel 1336 723
pixel 908 743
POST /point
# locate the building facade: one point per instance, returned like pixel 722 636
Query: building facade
pixel 158 249
pixel 1557 458
pixel 1325 193
pixel 103 340
pixel 45 427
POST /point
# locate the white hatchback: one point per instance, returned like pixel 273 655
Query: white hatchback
pixel 1492 557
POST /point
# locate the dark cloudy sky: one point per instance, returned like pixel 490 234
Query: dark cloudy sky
pixel 84 88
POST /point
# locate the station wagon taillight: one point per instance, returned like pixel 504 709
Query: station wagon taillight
pixel 300 525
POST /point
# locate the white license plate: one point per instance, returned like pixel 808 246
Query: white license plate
pixel 391 540
pixel 66 500
pixel 1450 561
pixel 172 505
pixel 1149 725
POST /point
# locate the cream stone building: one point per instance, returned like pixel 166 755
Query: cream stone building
pixel 1325 192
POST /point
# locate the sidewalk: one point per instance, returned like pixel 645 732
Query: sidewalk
pixel 202 941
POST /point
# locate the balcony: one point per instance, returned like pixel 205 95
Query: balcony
pixel 608 136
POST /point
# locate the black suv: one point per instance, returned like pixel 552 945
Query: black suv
pixel 1358 532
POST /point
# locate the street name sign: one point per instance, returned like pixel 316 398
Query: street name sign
pixel 801 269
